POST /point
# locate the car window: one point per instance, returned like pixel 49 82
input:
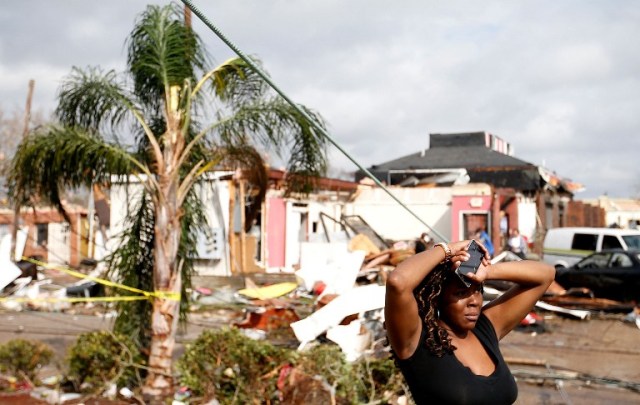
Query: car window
pixel 595 260
pixel 611 242
pixel 632 241
pixel 584 241
pixel 620 260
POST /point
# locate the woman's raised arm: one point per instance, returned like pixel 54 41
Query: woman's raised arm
pixel 532 278
pixel 402 319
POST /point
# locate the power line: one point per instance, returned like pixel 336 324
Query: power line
pixel 312 121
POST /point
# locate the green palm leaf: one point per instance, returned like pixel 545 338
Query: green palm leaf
pixel 57 158
pixel 90 98
pixel 163 111
pixel 163 52
pixel 236 84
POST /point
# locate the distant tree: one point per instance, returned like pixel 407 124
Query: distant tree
pixel 168 121
pixel 11 130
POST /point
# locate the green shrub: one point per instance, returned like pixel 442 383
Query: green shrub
pixel 367 380
pixel 100 357
pixel 227 366
pixel 232 368
pixel 378 380
pixel 23 358
pixel 327 361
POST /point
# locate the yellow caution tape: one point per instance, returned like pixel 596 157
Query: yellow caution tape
pixel 68 299
pixel 167 295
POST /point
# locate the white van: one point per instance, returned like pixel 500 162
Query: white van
pixel 562 247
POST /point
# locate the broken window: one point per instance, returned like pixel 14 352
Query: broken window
pixel 42 234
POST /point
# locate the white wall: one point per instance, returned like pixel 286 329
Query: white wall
pixel 299 227
pixel 391 221
pixel 626 219
pixel 215 196
pixel 527 215
pixel 122 199
pixel 59 243
pixel 215 199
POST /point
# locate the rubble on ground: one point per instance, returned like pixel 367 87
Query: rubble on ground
pixel 337 297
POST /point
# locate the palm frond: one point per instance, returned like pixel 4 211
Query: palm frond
pixel 90 98
pixel 275 123
pixel 307 154
pixel 194 223
pixel 236 83
pixel 131 264
pixel 55 158
pixel 162 52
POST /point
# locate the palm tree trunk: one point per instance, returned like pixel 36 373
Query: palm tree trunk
pixel 159 382
pixel 167 281
pixel 167 270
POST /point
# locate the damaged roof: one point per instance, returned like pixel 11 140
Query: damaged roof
pixel 486 157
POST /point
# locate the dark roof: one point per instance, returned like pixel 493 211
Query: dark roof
pixel 467 151
pixel 466 157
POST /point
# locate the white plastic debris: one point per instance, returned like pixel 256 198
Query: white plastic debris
pixel 355 301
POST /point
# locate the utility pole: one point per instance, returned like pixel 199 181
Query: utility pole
pixel 27 114
pixel 187 16
pixel 16 208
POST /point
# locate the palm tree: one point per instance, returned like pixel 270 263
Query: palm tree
pixel 148 123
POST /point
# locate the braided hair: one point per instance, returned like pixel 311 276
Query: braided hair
pixel 427 295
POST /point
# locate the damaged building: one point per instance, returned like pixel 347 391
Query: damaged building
pixel 503 192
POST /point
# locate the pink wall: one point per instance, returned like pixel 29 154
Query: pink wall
pixel 463 203
pixel 276 225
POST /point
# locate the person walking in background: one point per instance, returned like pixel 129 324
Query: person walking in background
pixel 424 242
pixel 483 237
pixel 517 243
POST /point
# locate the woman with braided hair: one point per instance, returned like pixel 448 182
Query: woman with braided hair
pixel 444 340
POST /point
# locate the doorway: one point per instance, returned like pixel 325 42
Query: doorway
pixel 471 222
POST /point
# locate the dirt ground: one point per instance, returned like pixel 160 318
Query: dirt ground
pixel 591 361
pixel 573 362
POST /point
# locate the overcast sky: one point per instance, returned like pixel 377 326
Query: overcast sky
pixel 559 80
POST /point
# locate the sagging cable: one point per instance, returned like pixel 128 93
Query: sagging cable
pixel 312 121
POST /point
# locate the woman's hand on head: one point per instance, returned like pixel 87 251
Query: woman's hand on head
pixel 486 259
pixel 459 253
pixel 481 275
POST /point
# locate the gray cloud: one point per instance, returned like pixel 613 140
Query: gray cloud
pixel 559 80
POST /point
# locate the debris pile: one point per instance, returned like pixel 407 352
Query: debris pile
pixel 334 298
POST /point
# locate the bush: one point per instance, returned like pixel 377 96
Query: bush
pixel 328 362
pixel 367 380
pixel 23 358
pixel 99 358
pixel 232 368
pixel 377 380
pixel 227 366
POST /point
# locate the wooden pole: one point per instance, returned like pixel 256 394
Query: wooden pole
pixel 187 16
pixel 263 234
pixel 232 208
pixel 243 238
pixel 27 114
pixel 16 208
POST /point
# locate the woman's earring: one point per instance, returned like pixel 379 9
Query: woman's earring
pixel 437 313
